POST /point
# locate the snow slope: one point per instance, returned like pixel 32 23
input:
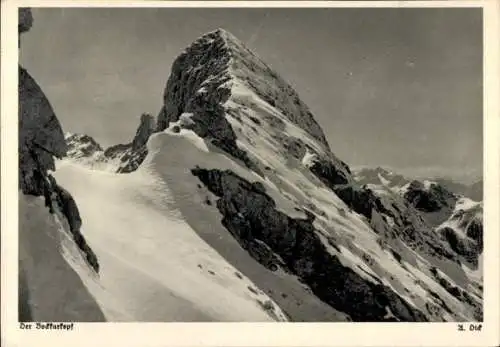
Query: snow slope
pixel 52 268
pixel 153 265
pixel 355 240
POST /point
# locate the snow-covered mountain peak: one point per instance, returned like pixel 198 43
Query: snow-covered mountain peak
pixel 235 149
pixel 382 176
pixel 244 107
pixel 220 56
pixel 221 33
pixel 262 156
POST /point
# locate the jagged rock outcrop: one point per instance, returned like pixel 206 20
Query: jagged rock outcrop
pixel 463 231
pixel 202 84
pixel 465 247
pixel 122 158
pixel 25 22
pixel 40 136
pixel 132 154
pixel 198 86
pixel 85 150
pixel 430 198
pixel 330 173
pixel 67 205
pixel 251 216
pixel 144 131
pixel 81 145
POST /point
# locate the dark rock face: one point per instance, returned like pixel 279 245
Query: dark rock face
pixel 434 202
pixel 133 154
pixel 132 160
pixel 251 216
pixel 144 131
pixel 25 20
pixel 67 205
pixel 360 200
pixel 198 86
pixel 40 135
pixel 474 231
pixel 41 138
pixel 463 246
pixel 331 174
pixel 116 150
pixel 468 243
pixel 429 200
pixel 408 225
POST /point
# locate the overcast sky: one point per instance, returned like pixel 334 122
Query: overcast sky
pixel 400 88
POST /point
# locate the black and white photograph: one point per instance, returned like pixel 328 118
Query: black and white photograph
pixel 251 164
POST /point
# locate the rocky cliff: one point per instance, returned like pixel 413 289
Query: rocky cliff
pixel 132 154
pixel 212 82
pixel 41 139
pixel 463 230
pixel 295 246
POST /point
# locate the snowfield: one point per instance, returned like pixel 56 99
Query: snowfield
pixel 50 289
pixel 153 265
pixel 355 239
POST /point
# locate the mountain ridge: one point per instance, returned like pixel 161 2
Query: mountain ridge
pixel 369 175
pixel 275 189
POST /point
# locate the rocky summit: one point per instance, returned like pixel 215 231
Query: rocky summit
pixel 238 159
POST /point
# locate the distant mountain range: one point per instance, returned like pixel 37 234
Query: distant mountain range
pixel 394 180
